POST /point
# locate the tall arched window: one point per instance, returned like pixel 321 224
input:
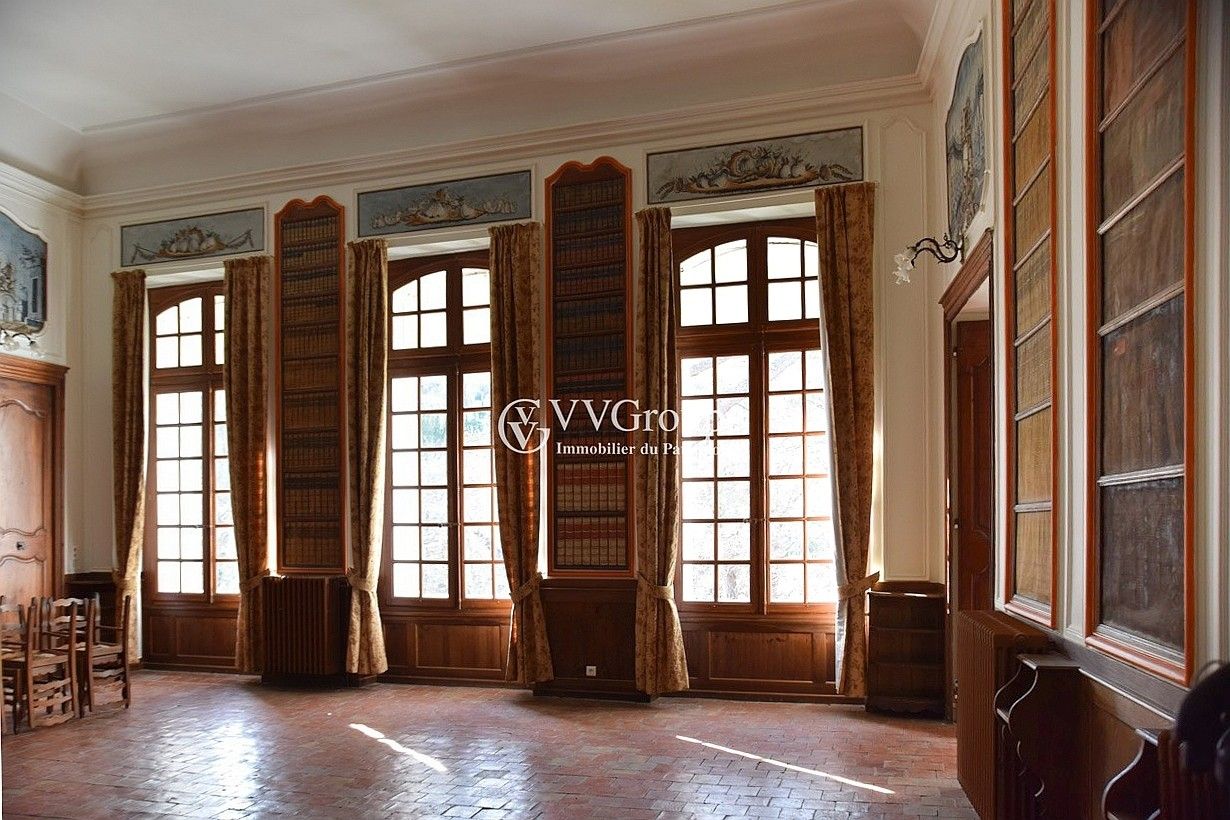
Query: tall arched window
pixel 757 498
pixel 442 532
pixel 190 547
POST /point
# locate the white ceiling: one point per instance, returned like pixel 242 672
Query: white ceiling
pixel 123 69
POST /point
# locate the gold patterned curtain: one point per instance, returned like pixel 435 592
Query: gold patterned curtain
pixel 845 217
pixel 660 663
pixel 128 437
pixel 516 359
pixel 244 375
pixel 367 322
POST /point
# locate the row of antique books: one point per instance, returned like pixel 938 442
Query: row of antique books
pixel 301 231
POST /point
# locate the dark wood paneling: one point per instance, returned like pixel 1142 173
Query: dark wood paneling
pixel 453 646
pixel 1144 250
pixel 189 636
pixel 591 622
pixel 767 656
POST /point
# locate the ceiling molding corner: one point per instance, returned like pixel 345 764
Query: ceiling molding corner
pixel 38 191
pixel 944 22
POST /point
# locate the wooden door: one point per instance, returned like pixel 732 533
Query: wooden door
pixel 30 396
pixel 974 455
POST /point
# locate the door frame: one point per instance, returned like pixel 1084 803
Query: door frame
pixel 976 269
pixel 37 372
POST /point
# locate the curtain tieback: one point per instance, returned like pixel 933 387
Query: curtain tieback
pixel 663 592
pixel 360 583
pixel 255 581
pixel 522 592
pixel 855 588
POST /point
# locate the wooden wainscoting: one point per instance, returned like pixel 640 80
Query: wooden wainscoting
pixel 785 656
pixel 591 622
pixel 189 636
pixel 447 647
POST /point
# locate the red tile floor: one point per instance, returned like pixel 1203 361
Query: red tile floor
pixel 199 745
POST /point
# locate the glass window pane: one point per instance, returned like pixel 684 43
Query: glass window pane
pixel 784 258
pixel 433 331
pixel 697 541
pixel 405 543
pixel 225 546
pixel 786 498
pixel 433 429
pixel 405 332
pixel 406 580
pixel 168 576
pixel 475 286
pixel 786 540
pixel 696 419
pixel 476 326
pixel 227 578
pixel 166 354
pixel 477 427
pixel 786 413
pixel 731 304
pixel 168 543
pixel 697 376
pixel 786 455
pixel 698 499
pixel 696 269
pixel 190 351
pixel 697 461
pixel 166 408
pixel 406 298
pixel 695 307
pixel 433 506
pixel 167 322
pixel 477 544
pixel 698 582
pixel 433 393
pixel 190 315
pixel 734 542
pixel 405 392
pixel 786 583
pixel 192 577
pixel 785 301
pixel 478 581
pixel 433 290
pixel 821 583
pixel 476 389
pixel 434 472
pixel 733 460
pixel 476 468
pixel 732 376
pixel 434 543
pixel 435 580
pixel 733 499
pixel 734 583
pixel 786 370
pixel 730 261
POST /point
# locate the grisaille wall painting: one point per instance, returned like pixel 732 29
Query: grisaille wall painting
pixel 773 164
pixel 966 142
pixel 495 198
pixel 194 237
pixel 23 277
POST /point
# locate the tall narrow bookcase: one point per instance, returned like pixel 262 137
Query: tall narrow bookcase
pixel 310 385
pixel 590 521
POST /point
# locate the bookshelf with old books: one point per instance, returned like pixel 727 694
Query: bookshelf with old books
pixel 589 468
pixel 309 373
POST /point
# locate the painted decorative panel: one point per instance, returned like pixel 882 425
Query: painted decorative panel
pixel 193 237
pixel 23 277
pixel 773 164
pixel 965 140
pixel 472 201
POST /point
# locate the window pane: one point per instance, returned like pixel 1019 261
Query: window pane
pixel 730 261
pixel 695 307
pixel 190 315
pixel 698 582
pixel 734 583
pixel 786 583
pixel 697 376
pixel 785 301
pixel 475 286
pixel 784 258
pixel 696 270
pixel 433 330
pixel 227 578
pixel 476 326
pixel 433 290
pixel 731 304
pixel 167 322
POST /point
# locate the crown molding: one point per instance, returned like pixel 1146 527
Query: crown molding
pixel 945 23
pixel 38 191
pixel 767 111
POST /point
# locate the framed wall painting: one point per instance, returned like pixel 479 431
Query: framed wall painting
pixel 193 237
pixel 470 201
pixel 23 277
pixel 965 140
pixel 773 164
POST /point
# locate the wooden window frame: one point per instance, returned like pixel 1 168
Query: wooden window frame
pixel 1036 611
pixel 207 378
pixel 451 360
pixel 756 338
pixel 1118 645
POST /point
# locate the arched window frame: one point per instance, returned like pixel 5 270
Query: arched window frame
pixel 204 377
pixel 758 338
pixel 453 360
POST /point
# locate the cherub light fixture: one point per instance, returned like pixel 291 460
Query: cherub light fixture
pixel 947 251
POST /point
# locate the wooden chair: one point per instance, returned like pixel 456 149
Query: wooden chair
pixel 103 663
pixel 12 637
pixel 44 673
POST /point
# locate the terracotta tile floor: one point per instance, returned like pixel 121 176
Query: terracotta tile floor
pixel 198 745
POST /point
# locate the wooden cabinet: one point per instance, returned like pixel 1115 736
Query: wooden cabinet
pixel 589 332
pixel 310 385
pixel 905 649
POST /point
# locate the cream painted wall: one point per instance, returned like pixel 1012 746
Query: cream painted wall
pixel 55 214
pixel 896 148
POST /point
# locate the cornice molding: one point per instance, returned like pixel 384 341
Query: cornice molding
pixel 38 191
pixel 769 111
pixel 944 29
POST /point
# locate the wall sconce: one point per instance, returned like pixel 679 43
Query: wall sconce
pixel 11 336
pixel 947 251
